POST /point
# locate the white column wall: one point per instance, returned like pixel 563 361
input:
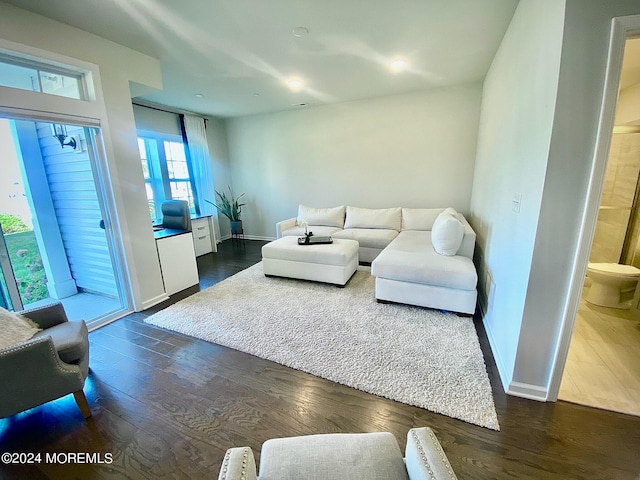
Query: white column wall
pixel 515 133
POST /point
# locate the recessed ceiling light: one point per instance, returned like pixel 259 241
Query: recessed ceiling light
pixel 398 64
pixel 199 95
pixel 294 84
pixel 300 32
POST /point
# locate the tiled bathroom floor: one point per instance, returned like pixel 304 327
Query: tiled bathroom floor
pixel 603 366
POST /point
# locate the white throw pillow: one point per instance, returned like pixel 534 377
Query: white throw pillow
pixel 447 233
pixel 15 329
pixel 329 217
pixel 386 218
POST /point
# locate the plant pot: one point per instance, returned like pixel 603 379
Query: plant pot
pixel 236 227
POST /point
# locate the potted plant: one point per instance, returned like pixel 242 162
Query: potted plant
pixel 230 208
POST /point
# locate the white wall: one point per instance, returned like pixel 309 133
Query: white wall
pixel 414 150
pixel 219 154
pixel 118 66
pixel 515 133
pixel 154 120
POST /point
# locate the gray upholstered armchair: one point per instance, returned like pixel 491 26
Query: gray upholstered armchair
pixel 354 456
pixel 54 363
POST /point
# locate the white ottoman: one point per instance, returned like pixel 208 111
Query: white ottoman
pixel 329 263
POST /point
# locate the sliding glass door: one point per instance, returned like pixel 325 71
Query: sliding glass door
pixel 56 244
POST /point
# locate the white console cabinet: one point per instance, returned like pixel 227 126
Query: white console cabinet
pixel 177 260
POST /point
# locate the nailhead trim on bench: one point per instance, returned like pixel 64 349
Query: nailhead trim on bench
pixel 245 459
pixel 423 455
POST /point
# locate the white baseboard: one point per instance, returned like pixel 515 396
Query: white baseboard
pixel 525 390
pixel 256 237
pixel 517 389
pixel 250 237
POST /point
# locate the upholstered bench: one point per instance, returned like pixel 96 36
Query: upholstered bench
pixel 329 263
pixel 352 456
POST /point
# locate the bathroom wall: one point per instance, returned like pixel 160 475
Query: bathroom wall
pixel 630 150
pixel 621 179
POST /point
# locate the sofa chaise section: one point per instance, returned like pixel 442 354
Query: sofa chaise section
pixel 410 271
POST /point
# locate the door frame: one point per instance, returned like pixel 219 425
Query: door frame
pixel 7 269
pixel 104 191
pixel 621 29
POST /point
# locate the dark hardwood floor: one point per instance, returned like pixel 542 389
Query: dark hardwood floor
pixel 168 406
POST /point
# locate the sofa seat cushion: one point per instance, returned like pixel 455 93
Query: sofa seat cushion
pixel 70 340
pixel 318 231
pixel 368 237
pixel 412 258
pixel 374 456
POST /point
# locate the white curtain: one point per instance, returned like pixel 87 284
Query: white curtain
pixel 202 169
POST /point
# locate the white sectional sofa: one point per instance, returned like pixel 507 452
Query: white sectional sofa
pixel 419 256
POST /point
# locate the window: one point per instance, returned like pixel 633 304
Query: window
pixel 166 172
pixel 27 75
pixel 178 172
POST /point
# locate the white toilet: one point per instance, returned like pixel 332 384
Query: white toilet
pixel 612 284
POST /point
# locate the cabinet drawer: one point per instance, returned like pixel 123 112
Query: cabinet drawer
pixel 200 226
pixel 202 243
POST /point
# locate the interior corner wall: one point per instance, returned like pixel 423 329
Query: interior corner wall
pixel 219 154
pixel 571 160
pixel 519 95
pixel 118 66
pixel 412 150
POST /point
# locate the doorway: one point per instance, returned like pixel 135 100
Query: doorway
pixel 54 243
pixel 602 366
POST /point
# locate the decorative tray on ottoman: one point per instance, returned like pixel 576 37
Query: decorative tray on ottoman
pixel 311 240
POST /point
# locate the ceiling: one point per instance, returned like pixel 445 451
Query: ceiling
pixel 238 54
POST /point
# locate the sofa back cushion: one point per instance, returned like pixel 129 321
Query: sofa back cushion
pixel 447 233
pixel 419 218
pixel 387 218
pixel 329 217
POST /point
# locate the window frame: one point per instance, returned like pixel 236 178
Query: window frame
pixel 42 67
pixel 159 177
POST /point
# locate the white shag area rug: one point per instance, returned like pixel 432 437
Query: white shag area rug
pixel 414 355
